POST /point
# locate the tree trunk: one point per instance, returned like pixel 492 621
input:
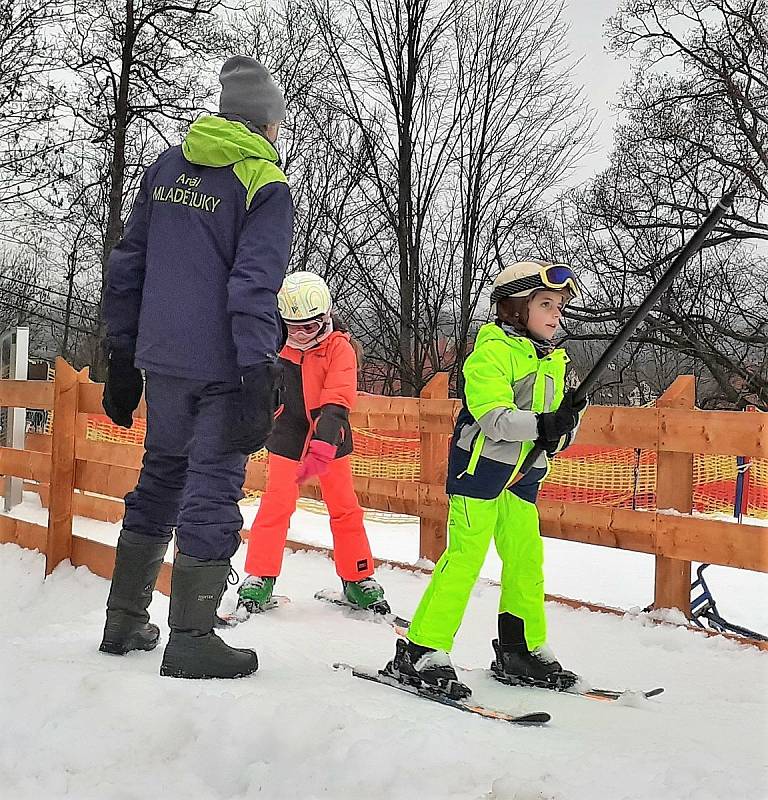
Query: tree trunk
pixel 114 228
pixel 405 225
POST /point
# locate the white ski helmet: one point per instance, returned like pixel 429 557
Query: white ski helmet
pixel 303 296
pixel 526 277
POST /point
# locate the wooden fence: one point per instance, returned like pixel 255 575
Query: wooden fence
pixel 84 476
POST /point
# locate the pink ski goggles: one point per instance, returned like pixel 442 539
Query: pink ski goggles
pixel 303 334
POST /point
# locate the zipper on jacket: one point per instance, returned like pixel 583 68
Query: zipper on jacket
pixel 307 413
pixel 477 449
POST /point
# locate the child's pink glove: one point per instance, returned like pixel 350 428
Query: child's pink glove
pixel 316 461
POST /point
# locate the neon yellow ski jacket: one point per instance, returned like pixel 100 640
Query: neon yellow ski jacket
pixel 506 384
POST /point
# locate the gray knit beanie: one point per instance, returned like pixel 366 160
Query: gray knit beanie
pixel 248 91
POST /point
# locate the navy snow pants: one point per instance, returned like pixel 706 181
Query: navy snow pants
pixel 190 479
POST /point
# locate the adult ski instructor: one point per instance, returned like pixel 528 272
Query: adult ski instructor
pixel 190 298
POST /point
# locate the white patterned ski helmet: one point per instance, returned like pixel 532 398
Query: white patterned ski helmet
pixel 303 296
pixel 526 277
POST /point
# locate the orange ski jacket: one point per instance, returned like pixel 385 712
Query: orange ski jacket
pixel 319 390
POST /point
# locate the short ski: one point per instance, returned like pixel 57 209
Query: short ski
pixel 532 719
pixel 613 694
pixel 590 693
pixel 372 613
pixel 241 614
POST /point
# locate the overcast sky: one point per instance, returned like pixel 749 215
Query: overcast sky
pixel 599 72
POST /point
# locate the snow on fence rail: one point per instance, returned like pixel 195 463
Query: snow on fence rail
pixel 76 475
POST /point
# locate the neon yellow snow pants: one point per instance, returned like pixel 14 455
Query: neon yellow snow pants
pixel 514 525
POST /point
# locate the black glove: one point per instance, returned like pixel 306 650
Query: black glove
pixel 554 424
pixel 123 388
pixel 259 397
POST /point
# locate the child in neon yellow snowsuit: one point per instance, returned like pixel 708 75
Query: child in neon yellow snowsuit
pixel 513 397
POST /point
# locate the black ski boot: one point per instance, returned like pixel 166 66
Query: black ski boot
pixel 515 664
pixel 426 669
pixel 194 650
pixel 137 565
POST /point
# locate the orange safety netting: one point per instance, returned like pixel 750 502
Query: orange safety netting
pixel 622 478
pixel 625 478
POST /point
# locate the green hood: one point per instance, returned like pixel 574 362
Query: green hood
pixel 488 371
pixel 219 142
pixel 490 332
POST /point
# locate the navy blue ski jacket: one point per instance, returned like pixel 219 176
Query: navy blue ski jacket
pixel 192 286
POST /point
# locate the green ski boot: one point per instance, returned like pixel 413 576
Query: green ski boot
pixel 255 594
pixel 366 594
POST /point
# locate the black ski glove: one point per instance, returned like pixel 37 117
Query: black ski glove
pixel 554 424
pixel 259 397
pixel 122 389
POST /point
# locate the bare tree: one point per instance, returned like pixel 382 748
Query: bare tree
pixel 712 322
pixel 521 126
pixel 468 119
pixel 335 228
pixel 136 67
pixel 694 122
pixel 697 115
pixel 30 136
pixel 320 149
pixel 392 79
pixel 28 298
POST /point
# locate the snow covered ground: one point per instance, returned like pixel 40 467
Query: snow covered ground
pixel 80 724
pixel 602 575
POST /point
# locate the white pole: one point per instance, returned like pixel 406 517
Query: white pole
pixel 17 417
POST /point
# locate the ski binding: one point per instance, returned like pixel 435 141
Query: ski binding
pixel 374 612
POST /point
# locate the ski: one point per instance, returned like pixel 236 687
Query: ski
pixel 532 719
pixel 400 624
pixel 373 613
pixel 591 693
pixel 241 614
pixel 613 694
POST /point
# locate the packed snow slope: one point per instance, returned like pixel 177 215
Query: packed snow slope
pixel 81 724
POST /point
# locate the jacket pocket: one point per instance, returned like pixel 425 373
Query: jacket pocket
pixel 477 449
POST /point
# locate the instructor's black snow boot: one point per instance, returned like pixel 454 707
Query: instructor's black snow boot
pixel 516 664
pixel 426 669
pixel 137 566
pixel 194 650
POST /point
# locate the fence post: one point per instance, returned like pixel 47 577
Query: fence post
pixel 674 489
pixel 433 530
pixel 62 485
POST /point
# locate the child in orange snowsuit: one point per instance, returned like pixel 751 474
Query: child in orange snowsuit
pixel 311 438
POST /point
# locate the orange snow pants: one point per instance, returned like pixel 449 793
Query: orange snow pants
pixel 266 542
